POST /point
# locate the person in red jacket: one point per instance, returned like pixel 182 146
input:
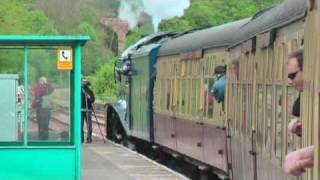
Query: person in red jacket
pixel 42 105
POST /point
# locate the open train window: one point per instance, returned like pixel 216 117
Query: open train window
pixel 279 122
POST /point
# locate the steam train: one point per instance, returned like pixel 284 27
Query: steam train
pixel 164 93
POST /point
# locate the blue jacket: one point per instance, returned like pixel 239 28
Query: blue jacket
pixel 218 88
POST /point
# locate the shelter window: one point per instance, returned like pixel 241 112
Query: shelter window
pixel 38 105
pixel 49 97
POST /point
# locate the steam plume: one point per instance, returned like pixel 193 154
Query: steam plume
pixel 130 10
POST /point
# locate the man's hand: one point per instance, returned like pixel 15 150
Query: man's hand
pixel 297 161
pixel 295 126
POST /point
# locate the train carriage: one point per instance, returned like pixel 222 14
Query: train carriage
pixel 310 96
pixel 184 118
pixel 258 127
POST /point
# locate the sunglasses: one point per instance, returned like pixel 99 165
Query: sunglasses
pixel 292 76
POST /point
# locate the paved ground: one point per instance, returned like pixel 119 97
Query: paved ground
pixel 109 161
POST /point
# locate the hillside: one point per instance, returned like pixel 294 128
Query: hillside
pixel 98 18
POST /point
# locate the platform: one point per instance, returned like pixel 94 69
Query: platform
pixel 103 161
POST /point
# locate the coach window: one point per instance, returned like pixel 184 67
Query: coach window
pixel 291 97
pixel 162 96
pixel 195 97
pixel 244 109
pixel 168 94
pixel 189 96
pixel 178 95
pixel 238 108
pixel 279 121
pixel 249 105
pixel 183 96
pixel 260 124
pixel 234 106
pixel 268 122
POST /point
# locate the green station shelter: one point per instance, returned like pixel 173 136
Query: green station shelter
pixel 40 107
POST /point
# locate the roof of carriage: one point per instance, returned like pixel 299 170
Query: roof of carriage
pixel 281 15
pixel 218 36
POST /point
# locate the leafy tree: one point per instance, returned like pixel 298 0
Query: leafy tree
pixel 103 81
pixel 19 17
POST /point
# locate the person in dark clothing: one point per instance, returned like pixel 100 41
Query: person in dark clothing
pixel 295 79
pixel 297 161
pixel 87 100
pixel 42 105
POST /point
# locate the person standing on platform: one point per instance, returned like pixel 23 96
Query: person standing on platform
pixel 87 100
pixel 42 104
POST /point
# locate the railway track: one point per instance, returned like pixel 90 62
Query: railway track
pixel 60 121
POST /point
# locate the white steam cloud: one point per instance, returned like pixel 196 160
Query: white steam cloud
pixel 131 10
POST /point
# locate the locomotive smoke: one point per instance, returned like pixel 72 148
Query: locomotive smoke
pixel 130 10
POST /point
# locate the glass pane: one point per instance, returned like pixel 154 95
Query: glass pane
pixel 244 109
pixel 234 106
pixel 292 96
pixel 195 97
pixel 206 98
pixel 237 108
pixel 268 124
pixel 250 95
pixel 188 96
pixel 260 124
pixel 279 121
pixel 178 95
pixel 162 95
pixel 12 95
pixel 168 94
pixel 49 97
pixel 183 96
pixel 210 105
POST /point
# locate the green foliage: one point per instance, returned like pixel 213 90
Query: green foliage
pixel 102 81
pixel 207 13
pixel 19 17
